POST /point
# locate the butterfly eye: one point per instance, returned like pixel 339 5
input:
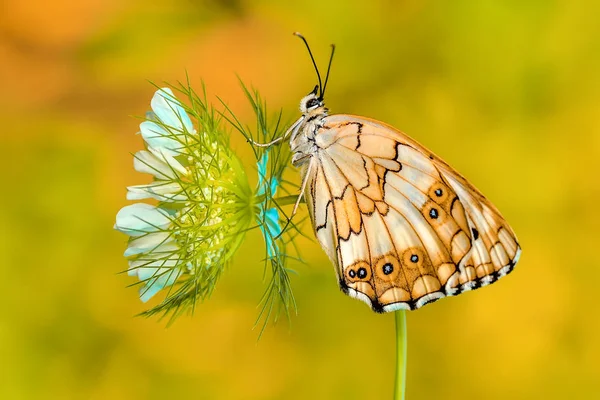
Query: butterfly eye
pixel 313 102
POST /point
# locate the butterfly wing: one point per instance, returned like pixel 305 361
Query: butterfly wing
pixel 401 226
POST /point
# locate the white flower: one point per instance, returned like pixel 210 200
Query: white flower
pixel 203 198
pixel 204 206
pixel 155 253
pixel 167 124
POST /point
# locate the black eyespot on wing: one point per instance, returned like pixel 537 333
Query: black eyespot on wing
pixel 362 273
pixel 388 268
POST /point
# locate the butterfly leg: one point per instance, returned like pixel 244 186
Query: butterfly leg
pixel 302 190
pixel 269 144
pixel 293 130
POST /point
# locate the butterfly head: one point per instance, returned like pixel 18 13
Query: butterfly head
pixel 312 103
pixel 302 132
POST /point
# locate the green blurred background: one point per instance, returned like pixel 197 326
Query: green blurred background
pixel 507 92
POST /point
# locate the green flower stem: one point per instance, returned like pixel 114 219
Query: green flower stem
pixel 401 348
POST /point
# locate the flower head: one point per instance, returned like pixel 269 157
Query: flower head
pixel 205 204
pixel 202 212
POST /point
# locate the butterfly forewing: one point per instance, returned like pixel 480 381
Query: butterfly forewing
pixel 403 228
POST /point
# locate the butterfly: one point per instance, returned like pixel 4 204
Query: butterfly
pixel 401 226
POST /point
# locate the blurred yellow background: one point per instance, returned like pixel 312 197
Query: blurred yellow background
pixel 506 92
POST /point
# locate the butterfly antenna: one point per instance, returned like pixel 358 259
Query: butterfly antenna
pixel 328 68
pixel 313 61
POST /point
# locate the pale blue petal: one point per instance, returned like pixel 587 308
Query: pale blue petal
pixel 262 176
pixel 146 162
pixel 150 289
pixel 270 228
pixel 272 221
pixel 170 212
pixel 268 220
pixel 150 116
pixel 154 285
pixel 146 268
pixel 273 184
pixel 262 172
pixel 158 163
pixel 156 136
pixel 138 219
pixel 158 242
pixel 159 190
pixel 170 161
pixel 169 110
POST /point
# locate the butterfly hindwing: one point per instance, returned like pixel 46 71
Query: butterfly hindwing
pixel 402 227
